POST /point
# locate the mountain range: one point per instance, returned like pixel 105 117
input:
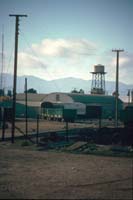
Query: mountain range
pixel 60 85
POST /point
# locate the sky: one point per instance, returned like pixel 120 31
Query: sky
pixel 66 38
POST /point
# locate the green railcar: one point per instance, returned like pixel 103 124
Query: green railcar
pixel 53 113
pixel 69 115
pixel 59 114
pixel 126 115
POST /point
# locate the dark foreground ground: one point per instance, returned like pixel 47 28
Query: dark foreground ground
pixel 26 173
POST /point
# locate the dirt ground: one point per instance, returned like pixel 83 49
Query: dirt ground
pixel 45 126
pixel 30 174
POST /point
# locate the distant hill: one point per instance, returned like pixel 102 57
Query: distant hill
pixel 61 85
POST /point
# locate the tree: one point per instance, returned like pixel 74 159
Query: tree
pixel 2 93
pixel 9 93
pixel 74 91
pixel 81 91
pixel 31 90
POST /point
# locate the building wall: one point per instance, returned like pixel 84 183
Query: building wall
pixel 107 102
pixel 34 107
pixel 32 111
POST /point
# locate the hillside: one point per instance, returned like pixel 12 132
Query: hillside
pixel 60 85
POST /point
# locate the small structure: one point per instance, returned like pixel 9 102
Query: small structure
pixel 33 104
pixel 98 80
pixel 37 104
pixel 80 102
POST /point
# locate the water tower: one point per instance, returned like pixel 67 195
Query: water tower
pixel 98 80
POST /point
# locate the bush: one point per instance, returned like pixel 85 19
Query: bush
pixel 120 149
pixel 104 136
pixel 92 147
pixel 25 143
pixel 87 134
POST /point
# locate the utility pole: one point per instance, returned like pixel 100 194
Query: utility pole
pixel 15 71
pixel 2 61
pixel 132 96
pixel 26 111
pixel 117 84
pixel 129 94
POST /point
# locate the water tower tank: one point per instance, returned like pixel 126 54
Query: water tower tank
pixel 98 80
pixel 99 68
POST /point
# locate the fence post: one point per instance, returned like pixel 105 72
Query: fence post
pixel 100 122
pixel 3 126
pixel 67 139
pixel 37 132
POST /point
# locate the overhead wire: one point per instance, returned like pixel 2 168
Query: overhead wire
pixel 8 60
pixel 42 64
pixel 38 59
pixel 6 70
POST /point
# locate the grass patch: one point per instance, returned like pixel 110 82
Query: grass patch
pixel 102 150
pixel 25 143
pixel 63 146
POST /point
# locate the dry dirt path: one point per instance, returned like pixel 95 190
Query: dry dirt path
pixel 30 174
pixel 44 126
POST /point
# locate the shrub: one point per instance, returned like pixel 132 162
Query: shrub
pixel 25 143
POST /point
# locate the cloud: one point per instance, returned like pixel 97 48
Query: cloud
pixel 122 60
pixel 59 58
pixel 125 67
pixel 29 60
pixel 64 47
pixel 30 65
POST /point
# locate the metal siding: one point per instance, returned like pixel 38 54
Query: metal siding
pixel 107 102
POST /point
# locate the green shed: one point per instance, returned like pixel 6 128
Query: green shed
pixel 20 109
pixel 107 102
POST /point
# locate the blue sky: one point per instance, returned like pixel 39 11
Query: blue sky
pixel 66 38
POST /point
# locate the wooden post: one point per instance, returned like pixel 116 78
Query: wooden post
pixel 15 72
pixel 67 139
pixel 117 85
pixel 26 113
pixel 3 126
pixel 100 122
pixel 37 132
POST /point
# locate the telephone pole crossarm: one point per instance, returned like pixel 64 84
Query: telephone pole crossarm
pixel 12 15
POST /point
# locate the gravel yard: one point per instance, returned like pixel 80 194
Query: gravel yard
pixel 44 126
pixel 30 174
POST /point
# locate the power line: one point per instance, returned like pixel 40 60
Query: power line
pixel 41 63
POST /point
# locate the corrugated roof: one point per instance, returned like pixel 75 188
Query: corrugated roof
pixel 30 97
pixel 36 99
pixel 86 98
